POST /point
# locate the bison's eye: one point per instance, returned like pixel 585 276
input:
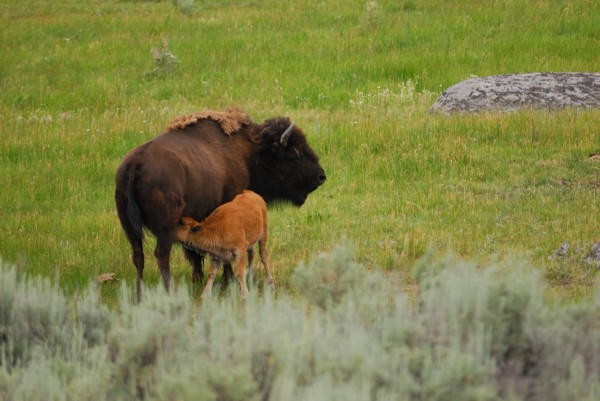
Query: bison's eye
pixel 195 229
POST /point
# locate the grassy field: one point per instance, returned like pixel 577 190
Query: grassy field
pixel 81 85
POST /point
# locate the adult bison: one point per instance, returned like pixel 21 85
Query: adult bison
pixel 200 162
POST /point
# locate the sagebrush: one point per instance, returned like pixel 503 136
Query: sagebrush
pixel 348 333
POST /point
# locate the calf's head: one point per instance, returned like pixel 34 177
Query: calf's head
pixel 186 227
pixel 284 166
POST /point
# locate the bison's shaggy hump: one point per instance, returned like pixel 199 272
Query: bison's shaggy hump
pixel 230 120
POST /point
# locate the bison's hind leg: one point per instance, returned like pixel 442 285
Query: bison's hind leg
pixel 167 209
pixel 128 212
pixel 138 261
pixel 164 244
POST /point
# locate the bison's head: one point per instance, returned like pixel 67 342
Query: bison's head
pixel 283 166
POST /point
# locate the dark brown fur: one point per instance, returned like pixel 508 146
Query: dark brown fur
pixel 192 170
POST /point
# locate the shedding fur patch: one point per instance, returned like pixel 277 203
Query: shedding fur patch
pixel 230 120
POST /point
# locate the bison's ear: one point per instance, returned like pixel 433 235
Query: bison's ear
pixel 286 135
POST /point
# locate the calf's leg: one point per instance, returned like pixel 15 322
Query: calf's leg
pixel 212 273
pixel 264 258
pixel 240 270
pixel 249 276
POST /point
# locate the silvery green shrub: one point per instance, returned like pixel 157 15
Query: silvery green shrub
pixel 165 62
pixel 94 319
pixel 332 278
pixel 567 361
pixel 185 7
pixel 472 333
pixel 33 313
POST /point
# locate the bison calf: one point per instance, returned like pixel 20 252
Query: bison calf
pixel 229 234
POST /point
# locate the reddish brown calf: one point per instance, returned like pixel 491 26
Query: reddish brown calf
pixel 228 234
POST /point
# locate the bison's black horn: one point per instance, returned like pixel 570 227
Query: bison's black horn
pixel 286 134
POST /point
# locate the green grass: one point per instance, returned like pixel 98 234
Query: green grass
pixel 79 88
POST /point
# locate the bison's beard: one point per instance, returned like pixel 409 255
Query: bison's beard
pixel 299 196
pixel 288 191
pixel 296 198
pixel 299 201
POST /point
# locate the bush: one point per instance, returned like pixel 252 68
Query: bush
pixel 185 7
pixel 165 62
pixel 473 333
pixel 33 313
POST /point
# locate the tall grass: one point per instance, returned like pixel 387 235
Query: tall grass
pixel 471 334
pixel 78 91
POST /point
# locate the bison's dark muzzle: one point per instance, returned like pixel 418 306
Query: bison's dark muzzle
pixel 316 180
pixel 319 179
pixel 322 179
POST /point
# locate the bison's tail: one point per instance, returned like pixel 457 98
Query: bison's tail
pixel 133 209
pixel 127 206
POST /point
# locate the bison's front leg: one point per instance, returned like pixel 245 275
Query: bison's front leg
pixel 227 273
pixel 196 259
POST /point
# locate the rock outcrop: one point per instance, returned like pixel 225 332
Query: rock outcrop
pixel 506 93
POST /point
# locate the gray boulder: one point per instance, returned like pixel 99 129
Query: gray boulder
pixel 506 93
